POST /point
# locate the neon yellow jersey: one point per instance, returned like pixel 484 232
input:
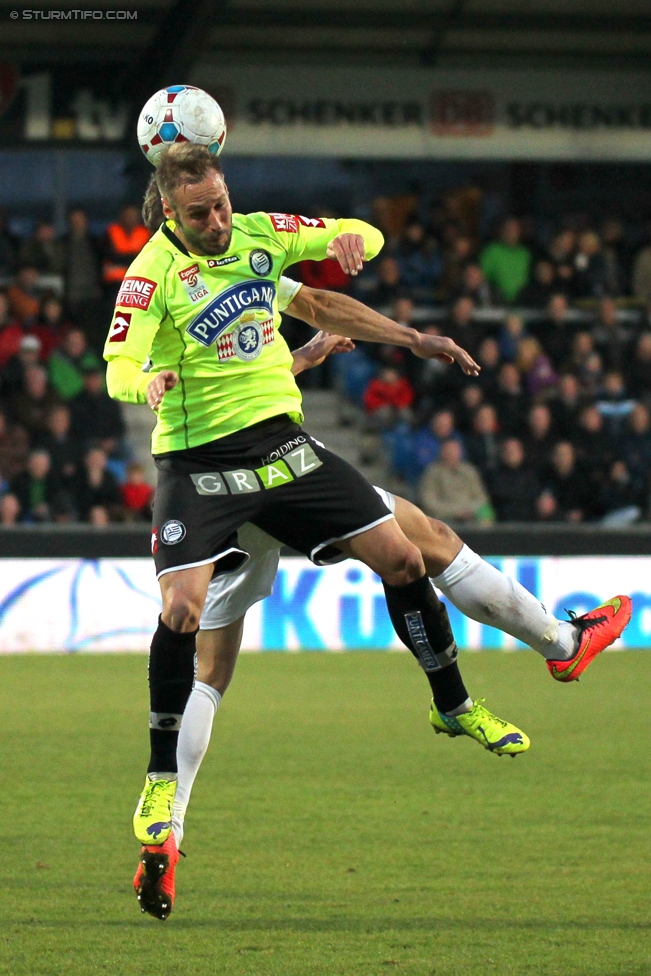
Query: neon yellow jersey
pixel 214 321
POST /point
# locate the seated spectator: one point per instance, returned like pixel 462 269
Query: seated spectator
pixel 24 294
pixel 68 362
pixel 614 403
pixel 590 279
pixel 546 507
pixel 535 367
pixel 561 255
pixel 510 400
pixel 460 326
pixel 475 286
pixel 32 404
pixel 452 490
pixel 387 400
pixel 43 250
pixel 612 338
pixel 542 286
pixel 413 453
pixel 488 357
pixel 11 332
pixel 641 275
pixel 36 489
pixel 419 260
pixel 594 449
pixel 50 325
pixel 82 275
pixel 389 285
pixel 513 486
pixel 64 448
pixel 136 494
pixel 635 443
pixel 568 485
pixel 616 256
pixel 591 375
pixel 95 416
pixel 539 439
pixel 506 262
pixel 566 404
pixel 556 332
pixel 510 335
pixel 621 499
pixel 582 347
pixel 12 376
pixel 483 442
pixel 14 448
pixel 472 397
pixel 639 368
pixel 97 487
pixel 9 245
pixel 9 510
pixel 457 255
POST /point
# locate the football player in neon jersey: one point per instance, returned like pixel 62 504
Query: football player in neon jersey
pixel 219 423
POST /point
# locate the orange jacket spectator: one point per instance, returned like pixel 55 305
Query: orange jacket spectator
pixel 123 242
pixel 23 295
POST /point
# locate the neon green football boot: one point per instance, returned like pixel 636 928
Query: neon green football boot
pixel 491 732
pixel 152 821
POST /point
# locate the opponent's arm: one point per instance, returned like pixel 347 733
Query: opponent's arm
pixel 317 349
pixel 333 312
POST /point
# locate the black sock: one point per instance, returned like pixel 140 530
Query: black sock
pixel 171 675
pixel 422 624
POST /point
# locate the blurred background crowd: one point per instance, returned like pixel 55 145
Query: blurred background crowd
pixel 555 428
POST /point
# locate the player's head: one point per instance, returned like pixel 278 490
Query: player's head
pixel 195 195
pixel 152 206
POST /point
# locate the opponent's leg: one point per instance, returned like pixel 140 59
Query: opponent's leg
pixel 217 652
pixel 421 621
pixel 485 594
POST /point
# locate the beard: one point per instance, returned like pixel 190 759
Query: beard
pixel 208 242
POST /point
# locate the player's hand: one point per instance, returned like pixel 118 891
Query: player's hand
pixel 350 252
pixel 440 347
pixel 164 381
pixel 320 346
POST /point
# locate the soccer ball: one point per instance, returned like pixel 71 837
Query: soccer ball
pixel 180 113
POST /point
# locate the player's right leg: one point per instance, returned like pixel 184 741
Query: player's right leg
pixel 481 592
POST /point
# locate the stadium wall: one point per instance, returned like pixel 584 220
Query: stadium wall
pixel 78 589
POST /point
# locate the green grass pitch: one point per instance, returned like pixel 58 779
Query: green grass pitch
pixel 331 832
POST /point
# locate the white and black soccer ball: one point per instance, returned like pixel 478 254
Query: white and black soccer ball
pixel 180 113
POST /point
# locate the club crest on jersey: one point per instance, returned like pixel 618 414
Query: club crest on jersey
pixel 193 283
pixel 228 307
pixel 247 339
pixel 261 262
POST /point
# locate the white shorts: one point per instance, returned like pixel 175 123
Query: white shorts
pixel 231 594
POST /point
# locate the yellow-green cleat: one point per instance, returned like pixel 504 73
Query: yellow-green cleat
pixel 152 821
pixel 491 732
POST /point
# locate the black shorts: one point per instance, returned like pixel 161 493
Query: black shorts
pixel 273 474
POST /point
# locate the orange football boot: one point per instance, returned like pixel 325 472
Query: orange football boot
pixel 598 629
pixel 154 880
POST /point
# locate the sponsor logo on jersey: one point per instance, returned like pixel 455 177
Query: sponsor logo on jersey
pixel 136 293
pixel 247 339
pixel 261 262
pixel 172 532
pixel 227 308
pixel 120 327
pixel 193 283
pixel 310 221
pixel 220 262
pixel 284 222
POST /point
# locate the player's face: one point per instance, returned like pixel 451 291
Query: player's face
pixel 203 215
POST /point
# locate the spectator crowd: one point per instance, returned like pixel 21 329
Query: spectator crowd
pixel 557 426
pixel 64 455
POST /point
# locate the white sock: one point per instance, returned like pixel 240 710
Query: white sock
pixel 480 591
pixel 194 739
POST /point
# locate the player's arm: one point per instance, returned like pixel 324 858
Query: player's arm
pixel 330 311
pixel 350 241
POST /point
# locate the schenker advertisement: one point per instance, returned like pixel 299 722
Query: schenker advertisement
pixel 67 605
pixel 357 112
